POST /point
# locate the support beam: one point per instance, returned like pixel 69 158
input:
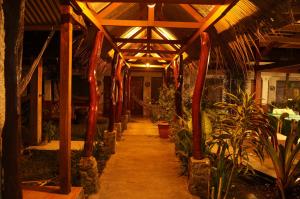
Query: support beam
pixel 155 41
pixel 204 2
pixel 113 94
pixel 92 117
pixel 192 11
pixel 36 95
pixel 148 51
pixel 108 10
pixel 148 58
pixel 66 39
pixel 258 87
pixel 213 17
pixel 143 23
pixel 197 96
pixel 119 81
pixel 178 92
pixel 93 18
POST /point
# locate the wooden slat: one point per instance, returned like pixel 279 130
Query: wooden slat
pixel 66 35
pixel 205 2
pixel 143 23
pixel 148 51
pixel 156 41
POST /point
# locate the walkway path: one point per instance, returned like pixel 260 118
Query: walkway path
pixel 144 167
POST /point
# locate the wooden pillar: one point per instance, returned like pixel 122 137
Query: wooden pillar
pixel 128 91
pixel 36 96
pixel 125 92
pixel 66 37
pixel 14 30
pixel 178 82
pixel 197 95
pixel 92 117
pixel 113 90
pixel 258 87
pixel 119 79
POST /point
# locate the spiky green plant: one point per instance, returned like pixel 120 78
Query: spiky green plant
pixel 284 159
pixel 237 130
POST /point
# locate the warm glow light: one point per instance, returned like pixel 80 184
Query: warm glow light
pixel 151 5
pixel 147 65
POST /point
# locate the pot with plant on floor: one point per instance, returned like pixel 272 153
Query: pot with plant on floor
pixel 166 111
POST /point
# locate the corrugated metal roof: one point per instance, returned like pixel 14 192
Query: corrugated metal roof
pixel 42 12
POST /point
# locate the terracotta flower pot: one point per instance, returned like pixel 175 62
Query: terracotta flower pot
pixel 164 129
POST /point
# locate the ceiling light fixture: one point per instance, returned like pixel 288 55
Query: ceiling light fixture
pixel 151 5
pixel 147 65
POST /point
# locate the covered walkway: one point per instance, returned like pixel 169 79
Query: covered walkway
pixel 144 166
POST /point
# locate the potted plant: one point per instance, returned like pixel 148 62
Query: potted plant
pixel 166 112
pixel 49 131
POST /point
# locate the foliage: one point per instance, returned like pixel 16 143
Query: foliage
pixel 183 145
pixel 49 130
pixel 284 159
pixel 166 104
pixel 236 131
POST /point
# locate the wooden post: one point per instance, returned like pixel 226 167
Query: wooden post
pixel 66 37
pixel 120 90
pixel 36 92
pixel 125 93
pixel 178 82
pixel 14 29
pixel 258 87
pixel 197 95
pixel 113 90
pixel 128 91
pixel 92 117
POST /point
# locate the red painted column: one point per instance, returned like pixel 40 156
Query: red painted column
pixel 119 79
pixel 113 93
pixel 128 91
pixel 196 101
pixel 92 117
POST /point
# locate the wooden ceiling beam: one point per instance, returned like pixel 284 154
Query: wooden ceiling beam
pixel 192 11
pixel 156 41
pixel 144 23
pixel 148 51
pixel 93 18
pixel 163 37
pixel 111 7
pixel 148 58
pixel 204 2
pixel 213 17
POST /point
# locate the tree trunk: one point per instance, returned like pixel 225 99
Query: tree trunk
pixel 14 26
pixel 198 90
pixel 92 118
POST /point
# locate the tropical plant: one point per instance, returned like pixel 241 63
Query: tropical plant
pixel 284 159
pixel 49 130
pixel 166 102
pixel 237 131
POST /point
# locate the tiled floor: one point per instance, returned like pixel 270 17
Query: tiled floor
pixel 144 167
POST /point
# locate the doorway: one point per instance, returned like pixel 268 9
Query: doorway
pixel 136 95
pixel 156 84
